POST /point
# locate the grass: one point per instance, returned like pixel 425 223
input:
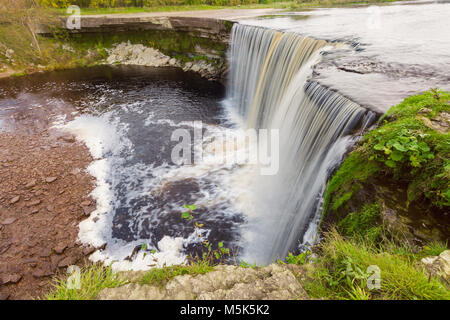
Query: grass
pixel 93 279
pixel 341 272
pixel 286 5
pixel 365 222
pixel 160 276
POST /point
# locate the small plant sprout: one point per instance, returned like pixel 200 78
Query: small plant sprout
pixel 188 214
pixel 144 248
pixel 219 253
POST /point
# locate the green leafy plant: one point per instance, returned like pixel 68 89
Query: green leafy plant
pixel 300 259
pixel 406 147
pixel 221 252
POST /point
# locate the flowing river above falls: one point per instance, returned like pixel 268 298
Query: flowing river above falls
pixel 391 51
pixel 126 116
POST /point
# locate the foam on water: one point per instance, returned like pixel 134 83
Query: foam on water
pixel 221 184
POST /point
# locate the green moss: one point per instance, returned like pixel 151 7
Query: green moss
pixel 404 151
pixel 348 180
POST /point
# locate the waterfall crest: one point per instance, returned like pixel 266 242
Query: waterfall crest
pixel 270 88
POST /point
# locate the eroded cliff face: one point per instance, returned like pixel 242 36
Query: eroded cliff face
pixel 191 43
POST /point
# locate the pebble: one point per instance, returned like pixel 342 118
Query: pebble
pixel 15 200
pixel 8 221
pixel 50 179
pixel 86 203
pixel 31 184
pixel 34 203
pixel 60 248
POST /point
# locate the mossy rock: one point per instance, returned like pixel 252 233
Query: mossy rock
pixel 402 165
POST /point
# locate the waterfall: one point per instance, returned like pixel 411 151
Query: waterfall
pixel 270 87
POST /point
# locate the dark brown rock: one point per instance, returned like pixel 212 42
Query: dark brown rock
pixel 67 261
pixel 60 248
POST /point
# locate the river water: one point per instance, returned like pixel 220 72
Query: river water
pixel 391 51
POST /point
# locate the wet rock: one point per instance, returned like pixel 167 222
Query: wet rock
pixel 88 250
pixel 67 138
pixel 60 248
pixel 54 261
pixel 67 261
pixel 4 248
pixel 45 252
pixel 75 171
pixel 88 210
pixel 44 270
pixel 14 200
pixel 10 278
pixel 86 203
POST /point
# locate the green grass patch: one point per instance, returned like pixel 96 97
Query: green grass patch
pixel 366 222
pixel 433 249
pixel 160 276
pixel 199 5
pixel 342 272
pixel 92 279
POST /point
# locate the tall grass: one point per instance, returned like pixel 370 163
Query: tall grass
pixel 93 279
pixel 341 272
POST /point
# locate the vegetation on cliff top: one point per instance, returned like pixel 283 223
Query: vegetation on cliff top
pixel 133 6
pixel 345 266
pixel 411 148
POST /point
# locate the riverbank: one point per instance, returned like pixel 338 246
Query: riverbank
pixel 44 195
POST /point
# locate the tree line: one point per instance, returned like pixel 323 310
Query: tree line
pixel 145 3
